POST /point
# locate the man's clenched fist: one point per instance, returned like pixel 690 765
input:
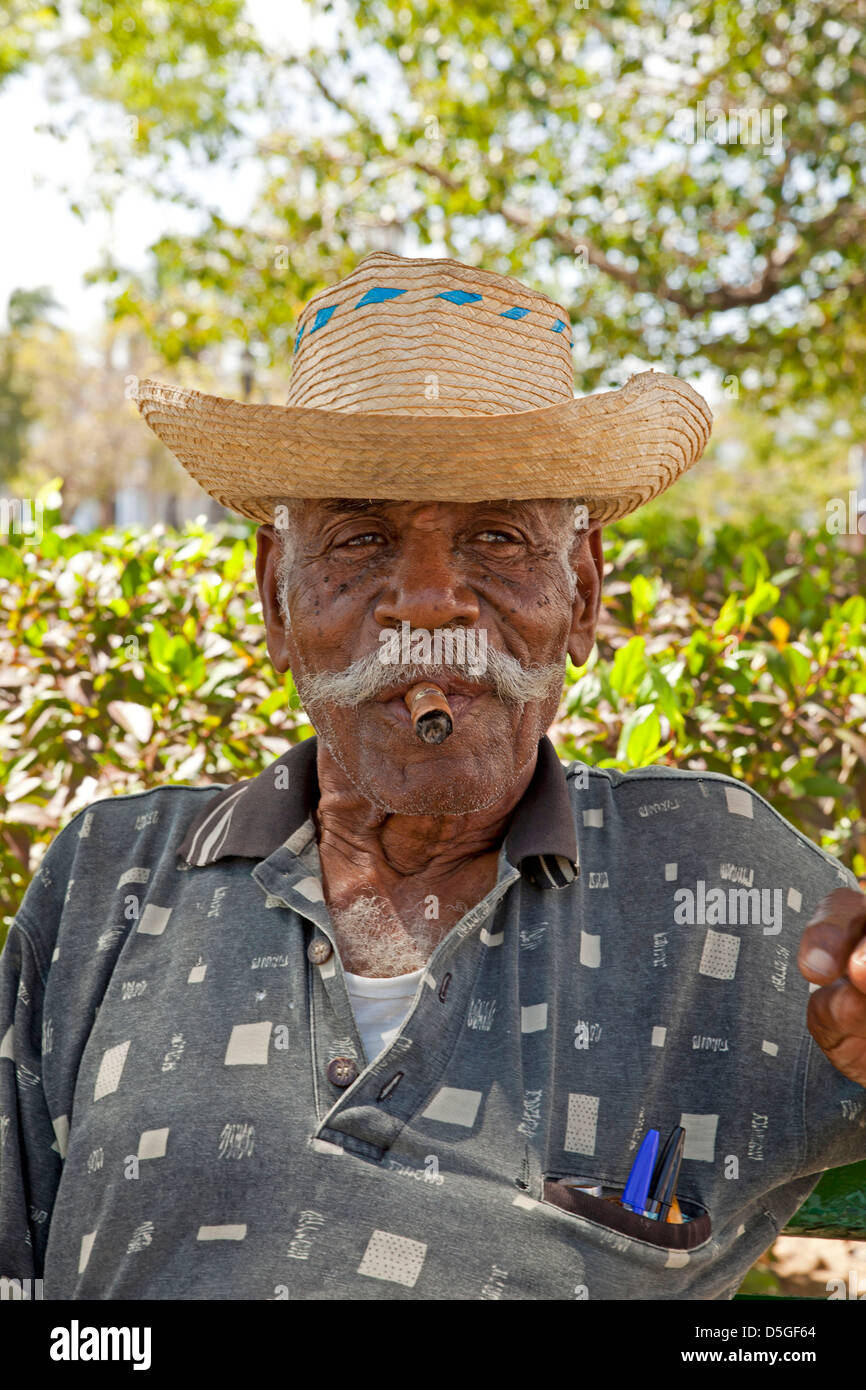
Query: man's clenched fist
pixel 833 954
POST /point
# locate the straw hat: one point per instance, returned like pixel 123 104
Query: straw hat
pixel 430 379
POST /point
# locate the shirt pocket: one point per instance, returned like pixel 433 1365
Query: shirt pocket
pixel 604 1218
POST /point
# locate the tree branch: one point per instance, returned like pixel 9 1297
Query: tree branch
pixel 724 296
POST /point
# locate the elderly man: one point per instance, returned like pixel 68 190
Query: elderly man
pixel 300 1036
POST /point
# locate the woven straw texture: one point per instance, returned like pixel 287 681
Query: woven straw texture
pixel 428 379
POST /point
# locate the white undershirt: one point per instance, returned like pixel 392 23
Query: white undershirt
pixel 380 1007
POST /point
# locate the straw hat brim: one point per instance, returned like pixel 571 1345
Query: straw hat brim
pixel 615 451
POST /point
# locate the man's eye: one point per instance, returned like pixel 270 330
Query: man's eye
pixel 366 538
pixel 497 536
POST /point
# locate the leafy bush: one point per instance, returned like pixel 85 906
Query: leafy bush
pixel 132 659
pixel 735 651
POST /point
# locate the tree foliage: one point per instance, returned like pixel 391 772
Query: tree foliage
pixel 28 316
pixel 546 139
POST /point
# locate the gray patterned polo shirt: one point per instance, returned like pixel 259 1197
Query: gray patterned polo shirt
pixel 187 1111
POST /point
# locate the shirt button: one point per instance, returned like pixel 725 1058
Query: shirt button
pixel 320 950
pixel 342 1071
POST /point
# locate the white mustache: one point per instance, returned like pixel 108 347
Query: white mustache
pixel 367 677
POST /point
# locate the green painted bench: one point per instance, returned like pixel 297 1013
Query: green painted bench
pixel 836 1208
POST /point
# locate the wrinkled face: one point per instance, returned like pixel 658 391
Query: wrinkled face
pixel 515 577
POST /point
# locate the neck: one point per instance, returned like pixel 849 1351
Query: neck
pixel 399 847
pixel 395 885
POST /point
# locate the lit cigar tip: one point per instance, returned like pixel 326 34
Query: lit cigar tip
pixel 434 727
pixel 430 713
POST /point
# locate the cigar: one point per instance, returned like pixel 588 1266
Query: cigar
pixel 428 709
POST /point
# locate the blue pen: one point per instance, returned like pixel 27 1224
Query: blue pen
pixel 636 1193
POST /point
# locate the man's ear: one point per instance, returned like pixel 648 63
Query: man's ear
pixel 587 559
pixel 267 559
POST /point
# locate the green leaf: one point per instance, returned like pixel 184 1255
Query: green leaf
pixel 159 644
pixel 643 596
pixel 764 597
pixel 755 567
pixel 799 666
pixel 238 558
pixel 823 786
pixel 783 577
pixel 11 563
pixel 278 699
pixel 629 666
pixel 728 616
pixel 641 736
pixel 131 578
pixel 853 611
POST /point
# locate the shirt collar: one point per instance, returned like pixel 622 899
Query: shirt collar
pixel 253 818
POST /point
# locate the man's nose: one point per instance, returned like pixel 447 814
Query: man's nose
pixel 426 586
